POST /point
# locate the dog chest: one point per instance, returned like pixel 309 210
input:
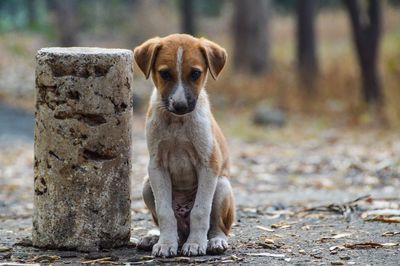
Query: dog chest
pixel 179 159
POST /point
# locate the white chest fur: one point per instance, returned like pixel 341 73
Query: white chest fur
pixel 180 145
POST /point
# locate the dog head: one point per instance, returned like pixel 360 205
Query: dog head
pixel 179 66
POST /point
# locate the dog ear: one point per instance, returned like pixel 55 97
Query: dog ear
pixel 215 56
pixel 145 55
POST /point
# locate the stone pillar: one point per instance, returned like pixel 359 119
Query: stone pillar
pixel 82 148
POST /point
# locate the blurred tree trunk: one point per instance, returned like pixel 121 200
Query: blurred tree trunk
pixel 306 44
pixel 187 17
pixel 251 36
pixel 32 15
pixel 67 21
pixel 366 25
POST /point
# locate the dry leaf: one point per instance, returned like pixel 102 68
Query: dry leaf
pixel 280 226
pixel 383 212
pixel 390 244
pixel 236 258
pixel 106 259
pixel 4 248
pixel 266 254
pixel 146 257
pixel 141 262
pixel 384 219
pixel 265 228
pixel 270 243
pixel 391 233
pixel 45 258
pixel 182 259
pixel 337 236
pixel 247 209
pixel 336 248
pixel 368 245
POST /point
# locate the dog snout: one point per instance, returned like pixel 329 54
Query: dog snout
pixel 180 107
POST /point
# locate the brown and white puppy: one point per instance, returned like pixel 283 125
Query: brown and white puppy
pixel 187 189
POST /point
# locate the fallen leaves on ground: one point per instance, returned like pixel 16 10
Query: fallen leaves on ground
pixel 383 215
pixel 298 168
pixel 107 260
pixel 265 228
pixel 266 254
pixel 211 260
pixel 281 226
pixel 336 236
pixel 384 219
pixel 342 208
pixel 365 245
pixel 45 259
pixel 391 233
pixel 269 243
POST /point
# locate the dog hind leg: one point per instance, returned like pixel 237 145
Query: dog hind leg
pixel 222 217
pixel 148 241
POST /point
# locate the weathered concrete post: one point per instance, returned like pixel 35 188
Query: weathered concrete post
pixel 82 148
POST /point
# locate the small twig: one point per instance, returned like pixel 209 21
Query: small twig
pixel 106 259
pixel 344 208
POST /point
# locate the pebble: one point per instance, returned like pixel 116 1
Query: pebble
pixel 268 116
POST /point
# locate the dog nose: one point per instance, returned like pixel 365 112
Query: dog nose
pixel 180 107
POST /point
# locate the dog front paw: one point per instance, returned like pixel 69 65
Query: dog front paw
pixel 194 248
pixel 217 245
pixel 165 250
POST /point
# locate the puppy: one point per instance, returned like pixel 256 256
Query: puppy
pixel 187 189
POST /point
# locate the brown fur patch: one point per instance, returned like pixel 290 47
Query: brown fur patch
pixel 215 57
pixel 146 54
pixel 160 53
pixel 219 160
pixel 154 216
pixel 167 60
pixel 227 214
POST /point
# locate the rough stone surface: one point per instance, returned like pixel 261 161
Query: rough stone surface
pixel 82 148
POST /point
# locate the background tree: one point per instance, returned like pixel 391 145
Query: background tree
pixel 32 13
pixel 67 21
pixel 306 44
pixel 250 35
pixel 187 17
pixel 366 25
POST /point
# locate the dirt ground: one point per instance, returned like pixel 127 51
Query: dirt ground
pixel 304 195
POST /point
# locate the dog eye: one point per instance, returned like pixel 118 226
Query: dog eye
pixel 165 75
pixel 195 75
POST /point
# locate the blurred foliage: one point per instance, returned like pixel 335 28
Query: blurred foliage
pixel 288 6
pixel 15 15
pixel 35 15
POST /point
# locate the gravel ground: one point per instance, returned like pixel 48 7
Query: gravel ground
pixel 295 189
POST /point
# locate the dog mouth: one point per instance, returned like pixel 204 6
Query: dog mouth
pixel 179 110
pixel 180 113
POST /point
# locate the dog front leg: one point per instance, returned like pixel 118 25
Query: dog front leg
pixel 196 244
pixel 167 244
